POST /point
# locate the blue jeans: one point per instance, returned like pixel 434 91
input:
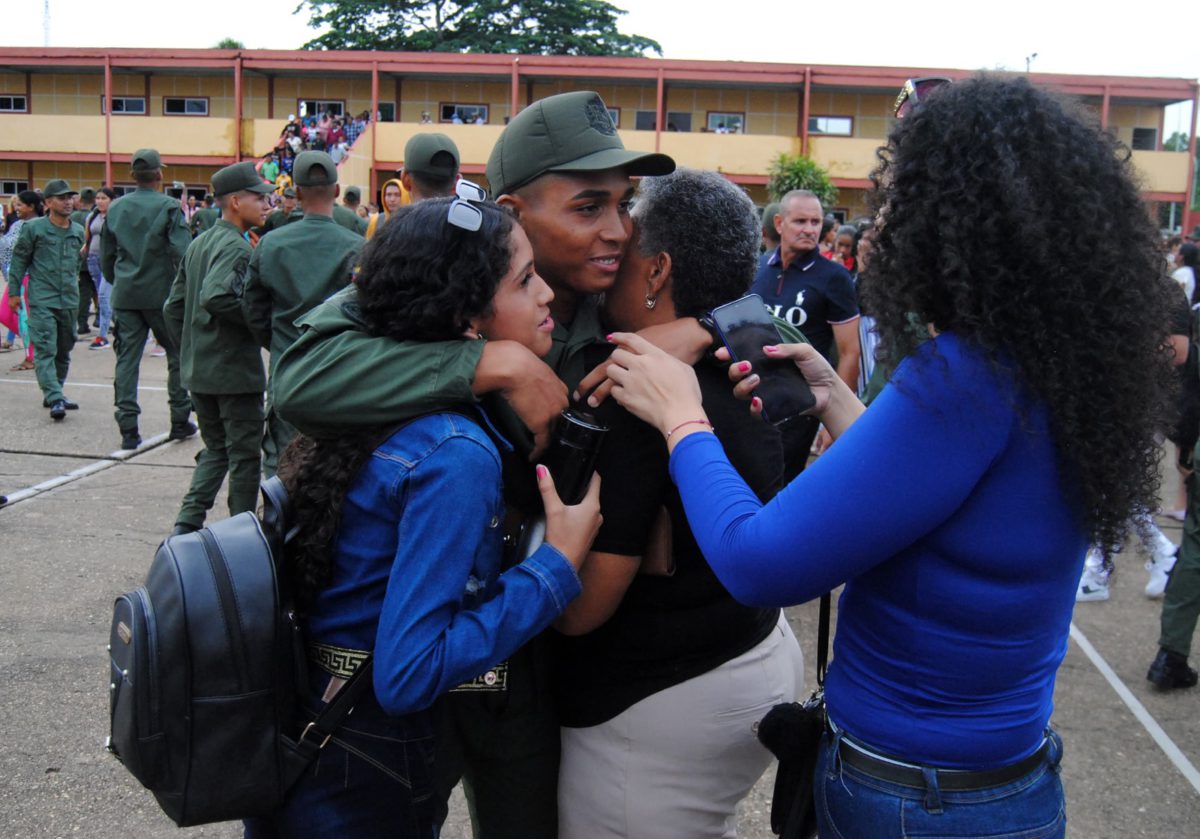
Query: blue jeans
pixel 374 780
pixel 851 803
pixel 103 294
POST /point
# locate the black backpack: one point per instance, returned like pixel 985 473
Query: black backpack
pixel 207 667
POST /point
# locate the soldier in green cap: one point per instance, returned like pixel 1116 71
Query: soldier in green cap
pixel 293 270
pixel 87 287
pixel 346 214
pixel 205 217
pixel 47 249
pixel 144 240
pixel 221 361
pixel 286 213
pixel 430 166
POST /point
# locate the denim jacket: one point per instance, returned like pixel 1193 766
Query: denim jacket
pixel 417 566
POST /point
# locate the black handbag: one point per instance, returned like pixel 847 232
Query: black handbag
pixel 792 731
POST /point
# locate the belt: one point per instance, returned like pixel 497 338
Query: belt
pixel 948 780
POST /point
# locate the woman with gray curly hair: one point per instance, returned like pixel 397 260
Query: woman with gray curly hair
pixel 662 675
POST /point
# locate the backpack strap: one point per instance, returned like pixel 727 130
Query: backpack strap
pixel 823 638
pixel 317 733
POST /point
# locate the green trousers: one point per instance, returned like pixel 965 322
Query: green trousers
pixel 504 745
pixel 1181 603
pixel 231 426
pixel 52 333
pixel 129 340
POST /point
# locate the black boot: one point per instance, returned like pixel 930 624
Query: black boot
pixel 1170 670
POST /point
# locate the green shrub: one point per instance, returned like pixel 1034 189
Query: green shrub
pixel 795 171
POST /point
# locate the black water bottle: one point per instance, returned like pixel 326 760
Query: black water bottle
pixel 571 457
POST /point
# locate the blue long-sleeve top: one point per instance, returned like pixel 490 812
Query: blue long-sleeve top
pixel 417 566
pixel 944 510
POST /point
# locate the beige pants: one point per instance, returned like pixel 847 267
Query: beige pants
pixel 676 764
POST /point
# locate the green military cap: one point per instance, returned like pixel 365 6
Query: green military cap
pixel 314 168
pixel 433 154
pixel 289 193
pixel 239 177
pixel 57 187
pixel 570 132
pixel 145 160
pixel 87 194
pixel 353 193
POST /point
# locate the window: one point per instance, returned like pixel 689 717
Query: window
pixel 676 121
pixel 387 111
pixel 615 115
pixel 838 126
pixel 458 112
pixel 179 106
pixel 317 107
pixel 123 189
pixel 13 104
pixel 726 122
pixel 13 187
pixel 126 104
pixel 1145 139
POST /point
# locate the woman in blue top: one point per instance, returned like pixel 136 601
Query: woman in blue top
pixel 401 549
pixel 1020 431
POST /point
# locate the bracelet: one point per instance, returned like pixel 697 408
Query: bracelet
pixel 689 422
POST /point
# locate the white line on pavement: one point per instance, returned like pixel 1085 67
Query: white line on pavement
pixel 1148 722
pixel 113 459
pixel 70 384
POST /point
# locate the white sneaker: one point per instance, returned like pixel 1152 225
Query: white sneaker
pixel 1093 585
pixel 1160 568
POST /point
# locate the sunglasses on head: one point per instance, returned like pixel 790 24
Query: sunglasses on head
pixel 462 212
pixel 914 91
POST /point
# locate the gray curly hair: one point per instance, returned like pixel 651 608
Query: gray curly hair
pixel 711 230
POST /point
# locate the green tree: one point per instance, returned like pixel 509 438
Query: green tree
pixel 795 171
pixel 526 27
pixel 229 44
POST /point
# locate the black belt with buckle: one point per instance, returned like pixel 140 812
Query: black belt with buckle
pixel 949 780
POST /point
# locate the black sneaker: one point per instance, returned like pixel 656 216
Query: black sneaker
pixel 1170 670
pixel 182 430
pixel 58 410
pixel 130 439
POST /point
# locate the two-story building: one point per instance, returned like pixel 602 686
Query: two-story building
pixel 78 113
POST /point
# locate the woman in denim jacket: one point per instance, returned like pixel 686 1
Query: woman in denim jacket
pixel 401 552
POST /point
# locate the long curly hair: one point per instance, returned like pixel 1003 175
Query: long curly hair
pixel 1007 217
pixel 422 279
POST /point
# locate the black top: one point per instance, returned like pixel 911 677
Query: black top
pixel 667 629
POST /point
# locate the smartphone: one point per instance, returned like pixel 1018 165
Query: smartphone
pixel 746 327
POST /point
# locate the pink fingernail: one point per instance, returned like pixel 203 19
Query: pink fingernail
pixel 771 349
pixel 608 337
pixel 744 366
pixel 542 472
pixel 756 402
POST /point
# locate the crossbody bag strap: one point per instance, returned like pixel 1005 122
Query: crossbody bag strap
pixel 823 638
pixel 317 733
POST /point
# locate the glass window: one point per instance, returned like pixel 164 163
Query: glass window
pixel 13 104
pixel 13 187
pixel 1145 139
pixel 387 111
pixel 726 122
pixel 839 126
pixel 185 106
pixel 676 121
pixel 461 113
pixel 126 104
pixel 317 107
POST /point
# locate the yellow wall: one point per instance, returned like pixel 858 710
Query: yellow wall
pixel 355 92
pixel 21 132
pixel 766 110
pixel 844 157
pixel 733 153
pixel 191 136
pixel 355 169
pixel 1162 171
pixel 474 141
pixel 1122 119
pixel 428 95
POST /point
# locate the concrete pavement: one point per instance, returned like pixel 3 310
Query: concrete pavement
pixel 67 551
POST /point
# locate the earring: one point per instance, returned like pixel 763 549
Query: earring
pixel 651 302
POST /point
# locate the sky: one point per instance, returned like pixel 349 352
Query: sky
pixel 1058 36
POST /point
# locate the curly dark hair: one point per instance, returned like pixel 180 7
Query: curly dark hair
pixel 1007 217
pixel 422 279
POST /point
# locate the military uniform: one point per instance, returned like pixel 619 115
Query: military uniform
pixel 144 241
pixel 221 366
pixel 50 255
pixel 203 219
pixel 350 220
pixel 87 288
pixel 292 271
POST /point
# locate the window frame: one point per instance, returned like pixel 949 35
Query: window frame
pixel 14 97
pixel 185 100
pixel 18 186
pixel 669 114
pixel 1133 135
pixel 813 117
pixel 145 112
pixel 341 103
pixel 741 115
pixel 487 112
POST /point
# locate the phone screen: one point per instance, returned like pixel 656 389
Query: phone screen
pixel 746 327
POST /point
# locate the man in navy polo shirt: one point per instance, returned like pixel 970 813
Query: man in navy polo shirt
pixel 810 292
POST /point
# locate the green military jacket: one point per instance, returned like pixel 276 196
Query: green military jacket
pixel 349 219
pixel 50 256
pixel 335 376
pixel 218 353
pixel 293 270
pixel 80 216
pixel 144 239
pixel 279 218
pixel 203 219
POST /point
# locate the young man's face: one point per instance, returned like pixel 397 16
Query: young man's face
pixel 579 226
pixel 391 198
pixel 61 205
